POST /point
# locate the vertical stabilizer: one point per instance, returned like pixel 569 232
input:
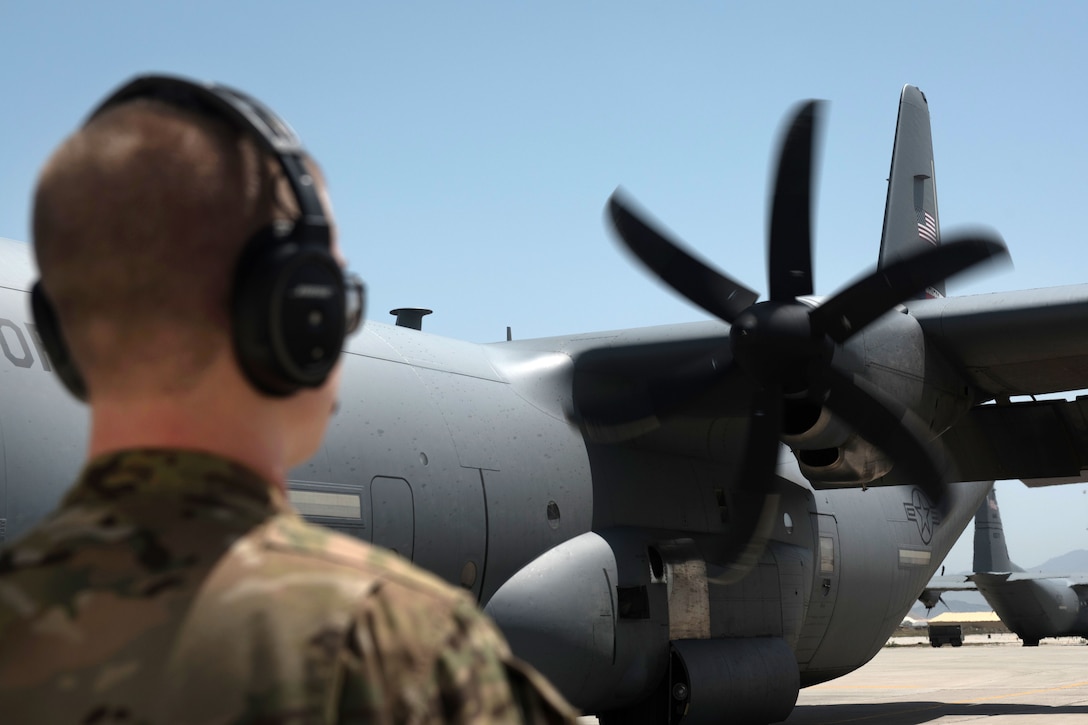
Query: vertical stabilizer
pixel 991 553
pixel 911 221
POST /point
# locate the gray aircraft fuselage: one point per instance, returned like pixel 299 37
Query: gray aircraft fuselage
pixel 1037 609
pixel 461 458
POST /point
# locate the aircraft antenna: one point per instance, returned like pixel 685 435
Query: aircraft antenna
pixel 410 317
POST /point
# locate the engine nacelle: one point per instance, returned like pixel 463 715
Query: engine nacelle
pixel 589 617
pixel 828 451
pixel 854 463
pixel 891 357
pixel 750 680
pixel 929 598
pixel 620 622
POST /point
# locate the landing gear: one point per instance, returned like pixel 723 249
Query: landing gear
pixel 1029 642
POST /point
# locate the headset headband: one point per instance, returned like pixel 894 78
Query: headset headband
pixel 244 111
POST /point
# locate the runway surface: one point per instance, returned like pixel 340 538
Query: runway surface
pixel 996 681
pixel 1003 683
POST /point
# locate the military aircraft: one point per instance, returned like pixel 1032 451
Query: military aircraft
pixel 1034 605
pixel 677 522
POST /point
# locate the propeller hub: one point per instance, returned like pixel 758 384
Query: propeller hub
pixel 774 343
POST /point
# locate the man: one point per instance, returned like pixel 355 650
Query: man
pixel 192 292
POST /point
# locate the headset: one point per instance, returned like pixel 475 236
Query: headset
pixel 292 305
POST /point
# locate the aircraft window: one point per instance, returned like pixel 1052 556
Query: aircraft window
pixel 553 514
pixel 320 503
pixel 787 521
pixel 468 574
pixel 827 555
pixel 913 557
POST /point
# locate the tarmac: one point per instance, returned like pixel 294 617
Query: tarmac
pixel 994 679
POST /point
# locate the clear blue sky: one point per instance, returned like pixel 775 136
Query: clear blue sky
pixel 471 146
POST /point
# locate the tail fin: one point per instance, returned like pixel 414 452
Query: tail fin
pixel 991 553
pixel 911 221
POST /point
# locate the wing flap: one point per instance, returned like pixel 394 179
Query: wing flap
pixel 1042 443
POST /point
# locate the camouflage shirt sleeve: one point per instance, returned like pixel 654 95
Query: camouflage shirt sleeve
pixel 175 588
pixel 471 676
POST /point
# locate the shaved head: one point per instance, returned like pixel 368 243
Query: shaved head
pixel 139 218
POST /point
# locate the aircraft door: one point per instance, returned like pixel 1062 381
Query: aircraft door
pixel 825 586
pixel 393 510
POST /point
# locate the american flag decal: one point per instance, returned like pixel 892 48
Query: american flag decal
pixel 927 228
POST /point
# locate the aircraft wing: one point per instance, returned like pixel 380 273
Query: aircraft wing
pixel 1023 343
pixel 953 583
pixel 938 585
pixel 1073 580
pixel 1040 442
pixel 1028 342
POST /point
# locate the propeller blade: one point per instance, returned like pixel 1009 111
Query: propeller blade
pixel 789 253
pixel 851 309
pixel 753 495
pixel 892 427
pixel 716 293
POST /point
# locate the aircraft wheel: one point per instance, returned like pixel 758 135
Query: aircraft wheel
pixel 1031 643
pixel 957 642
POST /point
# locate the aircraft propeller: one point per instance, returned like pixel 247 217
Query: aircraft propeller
pixel 784 347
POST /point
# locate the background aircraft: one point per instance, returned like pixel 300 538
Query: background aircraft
pixel 1034 605
pixel 622 503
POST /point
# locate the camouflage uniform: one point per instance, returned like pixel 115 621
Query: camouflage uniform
pixel 178 587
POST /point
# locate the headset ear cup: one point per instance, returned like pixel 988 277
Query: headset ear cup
pixel 288 316
pixel 48 327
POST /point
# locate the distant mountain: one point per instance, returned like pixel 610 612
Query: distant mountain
pixel 1074 562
